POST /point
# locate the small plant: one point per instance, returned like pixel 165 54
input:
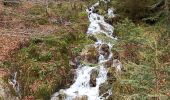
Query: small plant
pixel 45 56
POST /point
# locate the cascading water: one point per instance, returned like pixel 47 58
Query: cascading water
pixel 81 88
pixel 15 84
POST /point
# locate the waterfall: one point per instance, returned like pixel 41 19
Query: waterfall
pixel 81 88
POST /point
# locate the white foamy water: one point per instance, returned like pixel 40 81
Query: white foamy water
pixel 81 87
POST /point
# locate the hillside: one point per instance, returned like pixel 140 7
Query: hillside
pixel 46 45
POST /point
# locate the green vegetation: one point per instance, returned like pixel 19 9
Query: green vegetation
pixel 43 65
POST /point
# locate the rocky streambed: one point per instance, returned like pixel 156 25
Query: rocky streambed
pixel 93 74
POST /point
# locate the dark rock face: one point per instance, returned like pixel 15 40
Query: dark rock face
pixel 90 54
pixel 104 50
pixel 93 77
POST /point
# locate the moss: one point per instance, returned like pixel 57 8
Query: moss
pixel 45 56
pixel 37 15
pixel 37 10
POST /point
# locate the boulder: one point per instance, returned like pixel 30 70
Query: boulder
pixel 93 77
pixel 108 63
pixel 90 54
pixel 104 50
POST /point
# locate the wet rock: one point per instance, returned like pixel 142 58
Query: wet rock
pixel 90 54
pixel 61 95
pixel 72 74
pixel 55 96
pixel 93 77
pixel 108 63
pixel 104 50
pixel 84 97
pixel 72 71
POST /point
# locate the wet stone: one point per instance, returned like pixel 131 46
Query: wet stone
pixel 93 77
pixel 108 63
pixel 104 50
pixel 61 95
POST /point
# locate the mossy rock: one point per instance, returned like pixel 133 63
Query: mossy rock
pixel 93 76
pixel 90 54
